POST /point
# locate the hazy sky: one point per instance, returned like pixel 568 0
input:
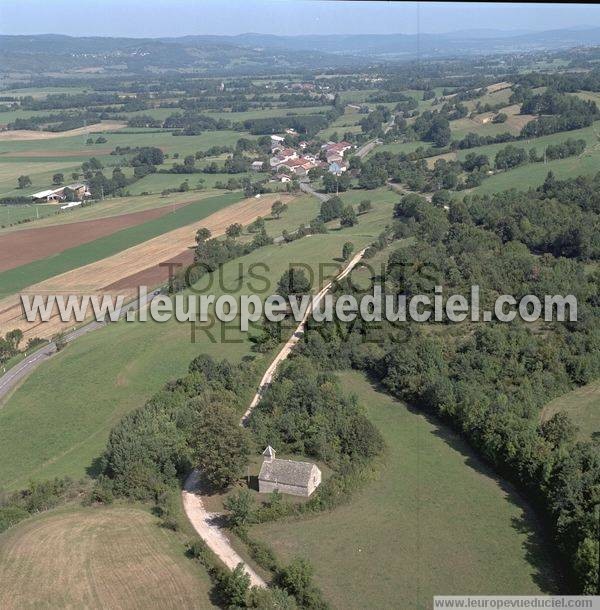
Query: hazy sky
pixel 180 17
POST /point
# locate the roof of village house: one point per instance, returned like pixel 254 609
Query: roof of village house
pixel 339 147
pixel 295 162
pixel 286 472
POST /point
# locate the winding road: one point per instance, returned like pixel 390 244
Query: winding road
pixel 206 523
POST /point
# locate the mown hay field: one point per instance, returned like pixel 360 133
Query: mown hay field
pixel 97 558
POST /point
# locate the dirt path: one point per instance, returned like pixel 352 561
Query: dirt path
pixel 205 525
pixel 204 522
pixel 285 351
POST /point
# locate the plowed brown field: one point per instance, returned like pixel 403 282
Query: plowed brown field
pixel 123 272
pixel 27 245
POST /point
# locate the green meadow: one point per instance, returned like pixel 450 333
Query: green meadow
pixel 156 183
pixel 10 214
pixel 50 214
pixel 125 137
pixel 534 174
pixel 433 521
pixel 582 405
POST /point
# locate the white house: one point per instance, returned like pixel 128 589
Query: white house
pixel 287 476
pixel 281 178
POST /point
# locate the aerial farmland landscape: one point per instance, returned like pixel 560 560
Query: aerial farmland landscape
pixel 299 305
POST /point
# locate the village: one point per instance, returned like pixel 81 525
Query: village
pixel 287 161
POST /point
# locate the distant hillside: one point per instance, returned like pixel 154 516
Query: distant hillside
pixel 255 53
pixel 406 45
pixel 54 52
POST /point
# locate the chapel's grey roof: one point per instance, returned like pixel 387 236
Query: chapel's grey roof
pixel 286 472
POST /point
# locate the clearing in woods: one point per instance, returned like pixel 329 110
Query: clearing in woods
pixel 582 405
pixel 97 558
pixel 434 521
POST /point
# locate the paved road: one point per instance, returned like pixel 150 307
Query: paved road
pixel 206 523
pixel 365 149
pixel 307 188
pixel 17 373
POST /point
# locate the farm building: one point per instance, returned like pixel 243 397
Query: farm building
pixel 79 190
pixel 287 476
pixel 45 196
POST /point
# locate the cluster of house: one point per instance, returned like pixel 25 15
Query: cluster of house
pixel 79 191
pixel 334 153
pixel 299 162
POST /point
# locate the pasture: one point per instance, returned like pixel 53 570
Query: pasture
pixel 164 139
pixel 50 214
pixel 40 174
pixel 513 125
pixel 589 134
pixel 534 174
pixel 11 214
pixel 582 405
pixel 266 113
pixel 157 183
pixel 98 558
pixel 433 521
